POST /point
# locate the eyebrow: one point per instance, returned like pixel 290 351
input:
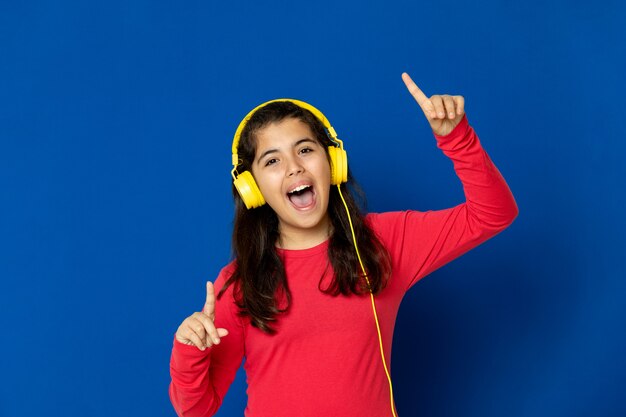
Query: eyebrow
pixel 272 150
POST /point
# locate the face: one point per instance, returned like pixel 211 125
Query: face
pixel 292 171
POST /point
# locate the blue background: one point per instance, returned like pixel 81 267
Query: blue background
pixel 116 122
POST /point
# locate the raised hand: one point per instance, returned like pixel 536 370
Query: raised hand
pixel 199 329
pixel 443 112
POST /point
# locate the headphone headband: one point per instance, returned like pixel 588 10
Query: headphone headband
pixel 315 111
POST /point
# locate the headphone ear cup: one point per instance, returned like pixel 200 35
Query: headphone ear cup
pixel 344 165
pixel 333 164
pixel 338 165
pixel 248 190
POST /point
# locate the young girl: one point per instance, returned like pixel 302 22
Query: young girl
pixel 312 311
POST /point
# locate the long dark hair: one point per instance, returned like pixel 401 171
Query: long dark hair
pixel 259 276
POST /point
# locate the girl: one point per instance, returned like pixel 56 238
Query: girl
pixel 311 298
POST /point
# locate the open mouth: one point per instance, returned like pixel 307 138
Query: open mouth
pixel 302 196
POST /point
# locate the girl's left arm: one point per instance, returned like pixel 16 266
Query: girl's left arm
pixel 421 242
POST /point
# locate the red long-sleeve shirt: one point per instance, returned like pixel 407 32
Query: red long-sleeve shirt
pixel 325 357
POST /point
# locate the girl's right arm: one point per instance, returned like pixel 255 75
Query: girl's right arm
pixel 208 349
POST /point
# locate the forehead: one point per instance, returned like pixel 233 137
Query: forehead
pixel 283 133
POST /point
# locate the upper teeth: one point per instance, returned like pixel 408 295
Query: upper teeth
pixel 300 188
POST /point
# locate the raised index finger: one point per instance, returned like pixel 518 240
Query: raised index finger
pixel 209 304
pixel 415 91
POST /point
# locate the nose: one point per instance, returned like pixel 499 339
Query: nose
pixel 294 167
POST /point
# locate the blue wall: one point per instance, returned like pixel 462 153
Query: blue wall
pixel 116 122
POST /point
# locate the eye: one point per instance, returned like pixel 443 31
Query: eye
pixel 270 161
pixel 306 150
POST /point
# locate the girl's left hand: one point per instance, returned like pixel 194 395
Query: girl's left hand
pixel 443 112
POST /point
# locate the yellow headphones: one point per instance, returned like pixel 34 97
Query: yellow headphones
pixel 244 182
pixel 252 197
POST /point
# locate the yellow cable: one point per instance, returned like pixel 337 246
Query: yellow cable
pixel 380 339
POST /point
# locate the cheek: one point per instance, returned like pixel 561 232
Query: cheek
pixel 322 166
pixel 324 174
pixel 327 172
pixel 268 183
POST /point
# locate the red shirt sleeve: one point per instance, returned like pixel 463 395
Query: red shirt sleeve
pixel 200 379
pixel 421 242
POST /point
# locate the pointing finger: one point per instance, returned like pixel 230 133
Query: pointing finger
pixel 417 94
pixel 209 304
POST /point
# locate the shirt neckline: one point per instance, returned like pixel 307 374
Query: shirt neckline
pixel 303 253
